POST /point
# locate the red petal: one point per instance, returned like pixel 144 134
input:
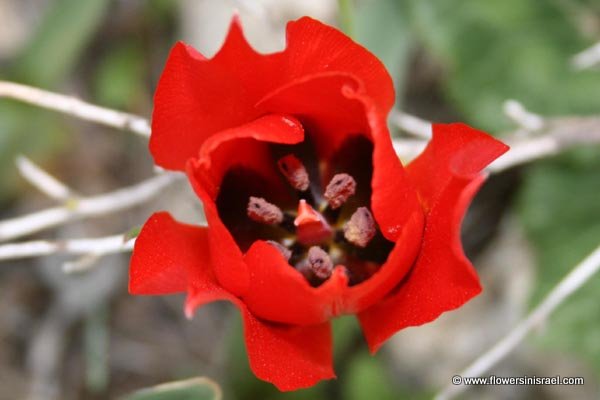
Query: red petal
pixel 442 278
pixel 164 252
pixel 328 116
pixel 196 98
pixel 280 293
pixel 291 357
pixel 247 146
pixel 455 149
pixel 397 265
pixel 226 257
pixel 394 201
pixel 314 47
pixel 193 100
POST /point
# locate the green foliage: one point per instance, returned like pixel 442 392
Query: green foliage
pixel 382 26
pixel 189 389
pixel 560 206
pixel 367 378
pixel 119 81
pixel 499 49
pixel 50 57
pixel 57 46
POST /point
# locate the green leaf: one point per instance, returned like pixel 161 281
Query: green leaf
pixel 560 207
pixel 189 389
pixel 132 233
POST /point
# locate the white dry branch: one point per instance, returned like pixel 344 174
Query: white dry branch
pixel 411 124
pixel 42 180
pixel 522 117
pixel 570 283
pixel 96 246
pixel 75 107
pixel 557 135
pixel 84 207
pixel 588 58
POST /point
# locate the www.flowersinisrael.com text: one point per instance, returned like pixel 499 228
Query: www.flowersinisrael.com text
pixel 517 380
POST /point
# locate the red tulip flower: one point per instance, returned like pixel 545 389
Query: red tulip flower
pixel 311 215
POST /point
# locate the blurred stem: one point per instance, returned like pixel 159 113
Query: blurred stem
pixel 96 339
pixel 346 17
pixel 343 360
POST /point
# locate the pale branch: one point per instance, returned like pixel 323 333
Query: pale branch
pixel 588 58
pixel 96 246
pixel 411 124
pixel 74 106
pixel 522 117
pixel 558 135
pixel 42 180
pixel 81 264
pixel 408 149
pixel 570 283
pixel 84 207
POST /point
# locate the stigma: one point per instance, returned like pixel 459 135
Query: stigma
pixel 311 227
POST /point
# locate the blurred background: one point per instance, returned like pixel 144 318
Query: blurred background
pixel 81 336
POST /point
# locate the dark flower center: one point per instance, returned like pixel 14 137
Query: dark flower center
pixel 324 228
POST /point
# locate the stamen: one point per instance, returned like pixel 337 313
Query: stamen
pixel 360 229
pixel 339 189
pixel 285 252
pixel 294 171
pixel 311 227
pixel 319 262
pixel 260 210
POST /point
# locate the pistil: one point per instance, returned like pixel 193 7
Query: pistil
pixel 311 226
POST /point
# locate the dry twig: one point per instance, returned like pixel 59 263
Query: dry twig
pixel 74 106
pixel 96 246
pixel 85 207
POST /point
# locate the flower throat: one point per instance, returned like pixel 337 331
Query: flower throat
pixel 325 228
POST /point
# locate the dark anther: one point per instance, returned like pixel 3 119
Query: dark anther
pixel 294 171
pixel 339 189
pixel 360 229
pixel 262 211
pixel 319 262
pixel 285 252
